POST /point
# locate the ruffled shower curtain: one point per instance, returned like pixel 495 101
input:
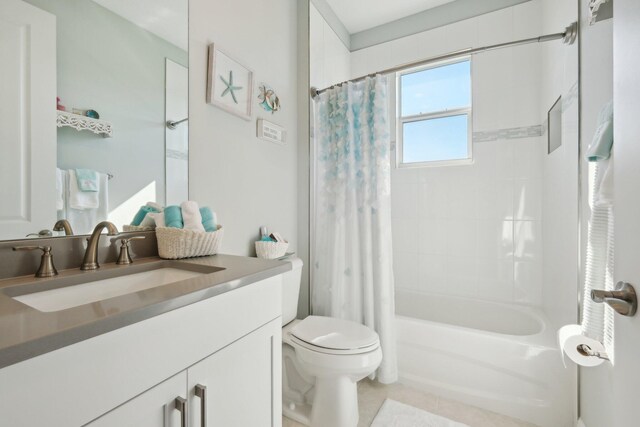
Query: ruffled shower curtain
pixel 352 270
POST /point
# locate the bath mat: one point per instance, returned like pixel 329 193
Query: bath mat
pixel 396 414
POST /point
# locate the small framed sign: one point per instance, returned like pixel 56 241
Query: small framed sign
pixel 229 84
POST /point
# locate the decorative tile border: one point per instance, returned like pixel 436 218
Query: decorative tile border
pixel 568 99
pixel 176 154
pixel 510 133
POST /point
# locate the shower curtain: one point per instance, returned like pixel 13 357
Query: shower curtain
pixel 352 269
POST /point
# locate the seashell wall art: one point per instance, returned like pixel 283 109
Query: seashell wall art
pixel 268 99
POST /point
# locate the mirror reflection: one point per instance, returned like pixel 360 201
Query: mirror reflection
pixel 100 128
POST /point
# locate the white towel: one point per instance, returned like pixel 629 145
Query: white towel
pixel 83 220
pixel 60 189
pixel 191 216
pixel 597 319
pixel 82 199
pixel 158 218
pixel 156 206
pixel 604 188
pixel 148 221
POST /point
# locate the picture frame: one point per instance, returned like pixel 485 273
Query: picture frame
pixel 554 126
pixel 229 83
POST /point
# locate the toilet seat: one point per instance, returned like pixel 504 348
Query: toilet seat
pixel 333 336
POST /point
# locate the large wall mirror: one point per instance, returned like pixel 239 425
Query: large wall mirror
pixel 94 115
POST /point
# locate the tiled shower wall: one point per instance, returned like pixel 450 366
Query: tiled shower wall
pixel 472 230
pixel 475 230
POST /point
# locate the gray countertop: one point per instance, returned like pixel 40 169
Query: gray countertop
pixel 26 332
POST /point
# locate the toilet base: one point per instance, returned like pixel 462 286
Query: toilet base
pixel 297 412
pixel 335 403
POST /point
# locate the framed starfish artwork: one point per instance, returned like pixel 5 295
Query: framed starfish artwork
pixel 229 84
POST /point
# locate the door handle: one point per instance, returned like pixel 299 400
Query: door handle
pixel 623 299
pixel 180 403
pixel 201 392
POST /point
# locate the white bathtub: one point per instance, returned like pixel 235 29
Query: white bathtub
pixel 499 357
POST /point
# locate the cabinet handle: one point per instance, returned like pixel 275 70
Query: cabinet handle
pixel 201 392
pixel 181 405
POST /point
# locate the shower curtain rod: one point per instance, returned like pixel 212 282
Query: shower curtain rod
pixel 568 37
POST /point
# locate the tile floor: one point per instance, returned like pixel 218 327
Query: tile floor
pixel 372 394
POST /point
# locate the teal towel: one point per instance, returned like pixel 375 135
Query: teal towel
pixel 87 180
pixel 208 219
pixel 173 217
pixel 142 212
pixel 600 148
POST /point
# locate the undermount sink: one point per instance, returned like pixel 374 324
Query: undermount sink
pixel 76 290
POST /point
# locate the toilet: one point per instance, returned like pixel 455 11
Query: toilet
pixel 323 358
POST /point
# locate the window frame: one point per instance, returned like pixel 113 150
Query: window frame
pixel 402 120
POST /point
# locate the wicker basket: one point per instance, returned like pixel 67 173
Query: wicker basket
pixel 271 250
pixel 129 228
pixel 176 243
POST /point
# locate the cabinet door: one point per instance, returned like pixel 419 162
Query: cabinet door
pixel 153 408
pixel 243 382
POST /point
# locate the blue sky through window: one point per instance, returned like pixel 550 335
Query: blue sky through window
pixel 436 89
pixel 434 140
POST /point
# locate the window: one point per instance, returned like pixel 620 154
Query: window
pixel 434 115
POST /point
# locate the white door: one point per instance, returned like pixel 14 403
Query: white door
pixel 155 407
pixel 243 382
pixel 27 119
pixel 625 380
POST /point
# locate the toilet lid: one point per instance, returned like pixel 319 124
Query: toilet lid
pixel 332 333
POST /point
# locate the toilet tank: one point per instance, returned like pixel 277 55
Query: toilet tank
pixel 291 290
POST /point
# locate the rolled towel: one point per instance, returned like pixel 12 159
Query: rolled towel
pixel 148 221
pixel 142 212
pixel 173 217
pixel 191 216
pixel 209 220
pixel 158 219
pixel 156 206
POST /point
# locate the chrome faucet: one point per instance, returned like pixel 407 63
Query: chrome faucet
pixel 63 224
pixel 90 261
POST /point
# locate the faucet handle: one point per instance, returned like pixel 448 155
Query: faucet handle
pixel 125 257
pixel 46 269
pixel 41 233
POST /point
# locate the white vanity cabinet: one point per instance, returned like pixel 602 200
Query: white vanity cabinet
pixel 242 383
pixel 153 408
pixel 234 387
pixel 229 343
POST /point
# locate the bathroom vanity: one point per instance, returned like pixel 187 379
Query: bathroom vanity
pixel 203 351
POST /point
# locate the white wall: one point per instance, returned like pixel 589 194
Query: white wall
pixel 330 58
pixel 247 181
pixel 475 230
pixel 597 83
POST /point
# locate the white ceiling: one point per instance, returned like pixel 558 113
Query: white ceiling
pixel 167 19
pixel 359 15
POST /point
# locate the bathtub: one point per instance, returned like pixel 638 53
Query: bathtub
pixel 499 357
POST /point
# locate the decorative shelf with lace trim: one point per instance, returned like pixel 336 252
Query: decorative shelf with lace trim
pixel 79 123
